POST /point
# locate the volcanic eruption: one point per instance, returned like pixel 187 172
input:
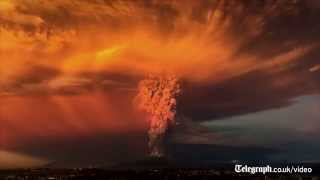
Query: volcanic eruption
pixel 69 70
pixel 158 97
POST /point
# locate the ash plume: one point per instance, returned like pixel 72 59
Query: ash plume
pixel 158 96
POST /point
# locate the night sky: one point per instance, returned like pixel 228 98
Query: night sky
pixel 69 70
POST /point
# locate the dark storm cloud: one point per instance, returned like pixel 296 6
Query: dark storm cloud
pixel 291 24
pixel 249 93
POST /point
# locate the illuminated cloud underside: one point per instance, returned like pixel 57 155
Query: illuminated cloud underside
pixel 198 42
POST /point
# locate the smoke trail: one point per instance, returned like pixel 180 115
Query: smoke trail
pixel 157 96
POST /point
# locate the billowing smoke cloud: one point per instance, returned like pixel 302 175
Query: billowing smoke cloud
pixel 199 40
pixel 80 46
pixel 157 96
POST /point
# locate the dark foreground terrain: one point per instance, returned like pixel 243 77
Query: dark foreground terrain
pixel 154 174
pixel 151 169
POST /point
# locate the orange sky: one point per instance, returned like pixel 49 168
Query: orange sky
pixel 24 118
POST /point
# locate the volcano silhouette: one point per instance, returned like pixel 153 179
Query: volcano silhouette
pixel 202 156
pixel 149 163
